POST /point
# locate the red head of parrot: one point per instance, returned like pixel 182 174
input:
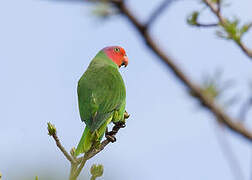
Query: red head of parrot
pixel 117 54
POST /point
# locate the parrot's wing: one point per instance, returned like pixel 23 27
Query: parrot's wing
pixel 101 91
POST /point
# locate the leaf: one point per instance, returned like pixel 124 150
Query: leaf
pixel 245 28
pixel 192 18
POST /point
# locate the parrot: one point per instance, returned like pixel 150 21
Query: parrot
pixel 101 95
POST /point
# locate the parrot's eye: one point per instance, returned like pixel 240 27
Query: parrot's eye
pixel 116 49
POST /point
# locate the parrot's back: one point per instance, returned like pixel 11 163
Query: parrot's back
pixel 101 92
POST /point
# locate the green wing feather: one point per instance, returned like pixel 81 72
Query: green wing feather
pixel 101 97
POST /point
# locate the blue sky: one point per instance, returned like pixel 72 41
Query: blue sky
pixel 45 48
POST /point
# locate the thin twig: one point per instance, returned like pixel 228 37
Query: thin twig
pixel 217 13
pixel 169 62
pixel 206 25
pixel 227 151
pixel 245 109
pixel 158 12
pixel 57 141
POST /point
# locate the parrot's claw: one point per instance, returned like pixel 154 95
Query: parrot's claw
pixel 110 138
pixel 119 125
pixel 110 135
pixel 126 115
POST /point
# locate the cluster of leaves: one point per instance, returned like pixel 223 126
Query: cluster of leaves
pixel 232 30
pixel 213 87
pixel 229 29
pixel 103 9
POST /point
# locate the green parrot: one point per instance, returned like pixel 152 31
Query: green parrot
pixel 101 95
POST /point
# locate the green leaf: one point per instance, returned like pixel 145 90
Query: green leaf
pixel 245 28
pixel 193 18
pixel 231 30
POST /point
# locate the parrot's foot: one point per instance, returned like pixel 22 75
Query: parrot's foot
pixel 110 135
pixel 110 138
pixel 118 125
pixel 126 115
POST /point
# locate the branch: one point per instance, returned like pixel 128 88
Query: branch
pixel 115 129
pixel 52 132
pixel 218 6
pixel 222 22
pixel 158 12
pixel 244 109
pixel 55 137
pixel 227 152
pixel 75 170
pixel 94 150
pixel 169 62
pixel 77 164
pixel 82 164
pixel 206 25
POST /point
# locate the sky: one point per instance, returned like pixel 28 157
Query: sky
pixel 47 45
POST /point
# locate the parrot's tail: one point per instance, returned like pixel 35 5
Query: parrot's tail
pixel 88 138
pixel 85 142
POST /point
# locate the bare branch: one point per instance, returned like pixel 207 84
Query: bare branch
pixel 227 151
pixel 52 132
pixel 154 16
pixel 56 139
pixel 206 25
pixel 169 62
pixel 244 109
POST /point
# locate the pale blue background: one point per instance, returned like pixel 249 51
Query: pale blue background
pixel 46 46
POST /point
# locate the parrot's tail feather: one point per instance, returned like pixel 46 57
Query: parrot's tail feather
pixel 89 138
pixel 85 142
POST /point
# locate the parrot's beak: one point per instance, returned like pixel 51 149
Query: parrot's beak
pixel 125 61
